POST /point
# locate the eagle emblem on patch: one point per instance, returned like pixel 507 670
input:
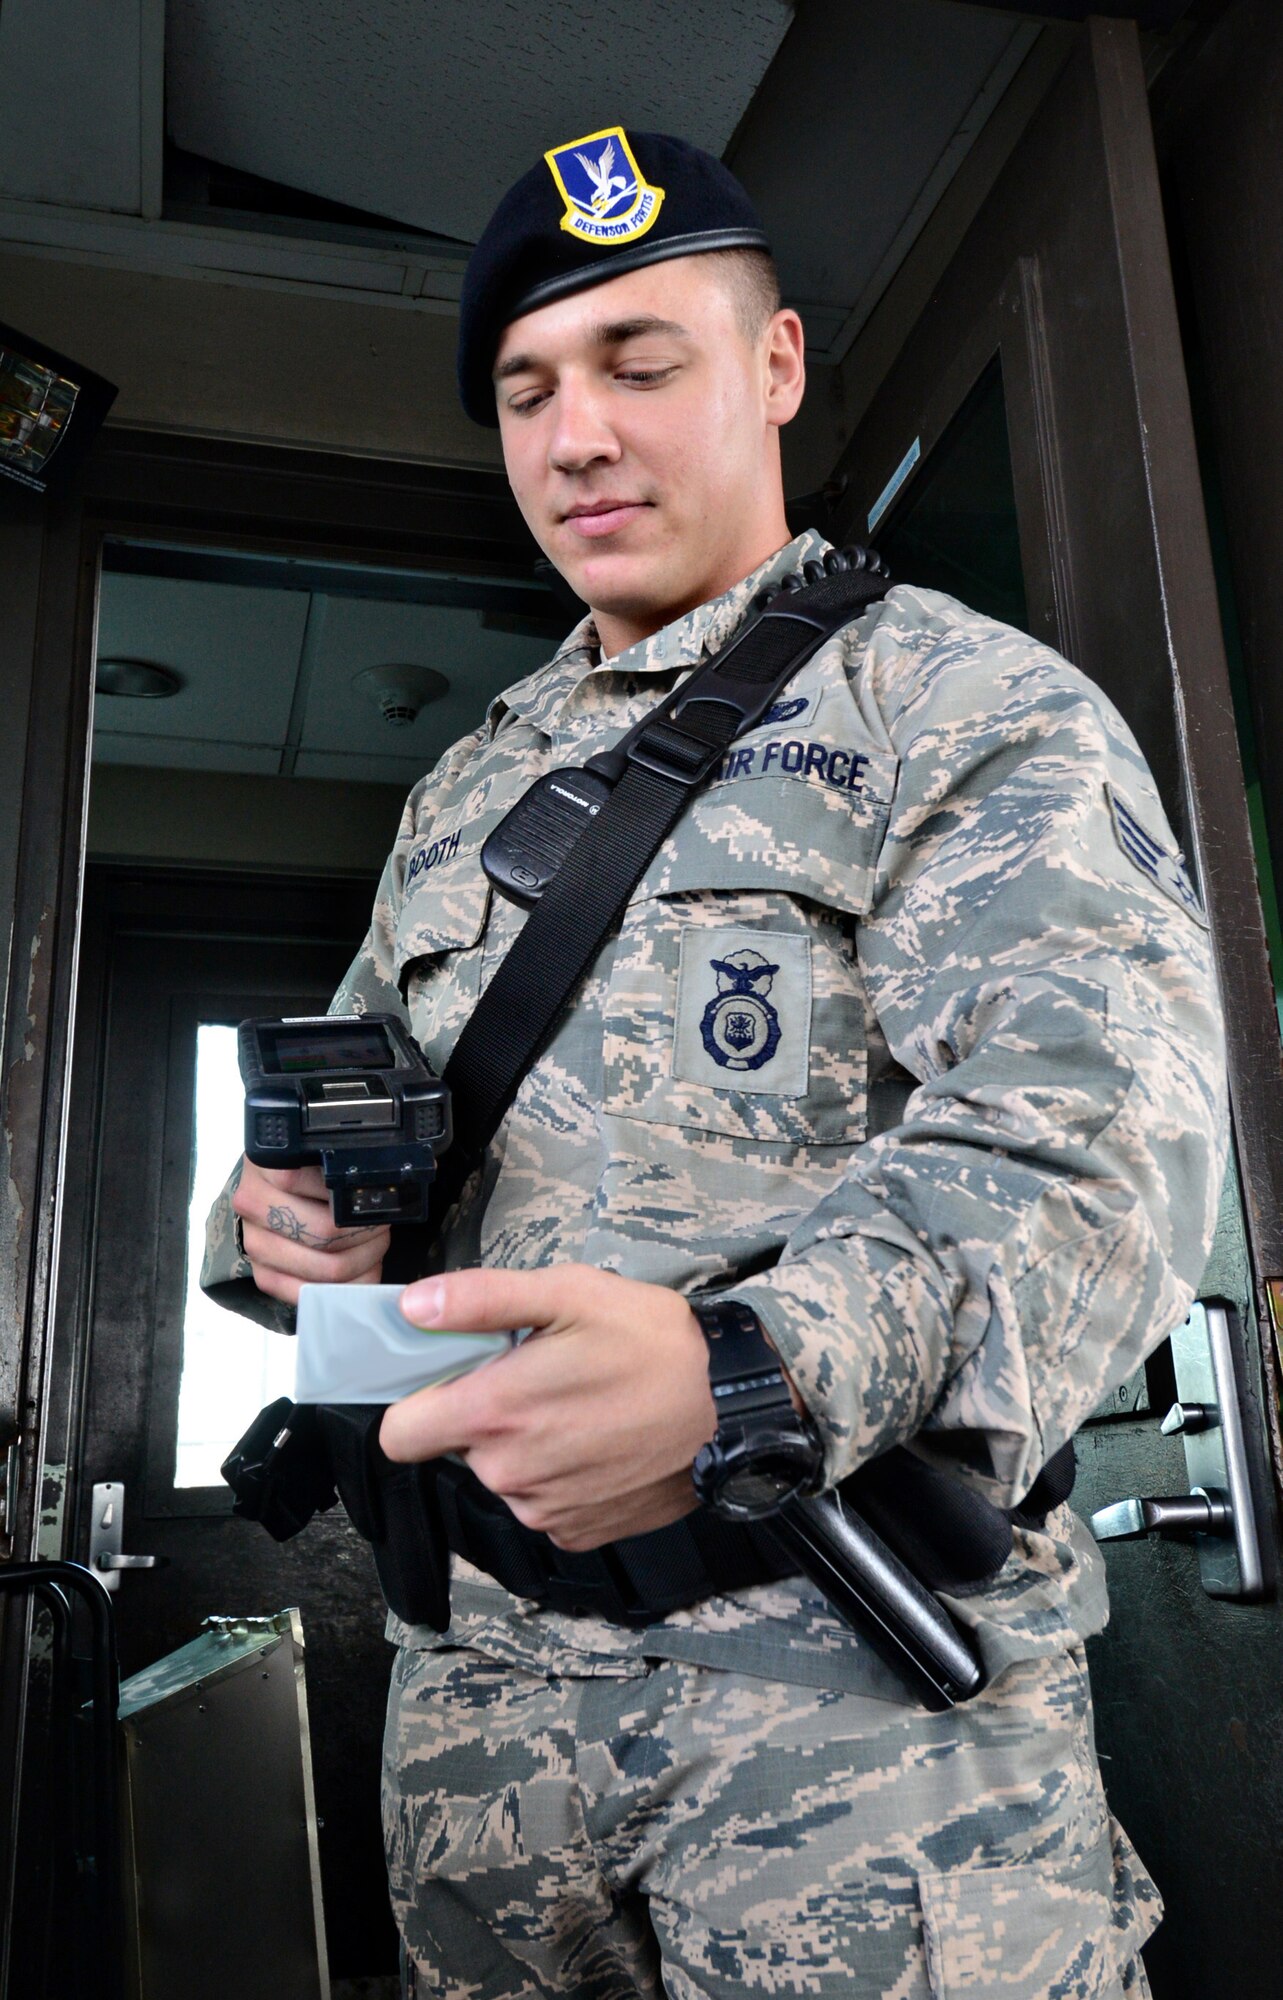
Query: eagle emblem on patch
pixel 740 1029
pixel 607 200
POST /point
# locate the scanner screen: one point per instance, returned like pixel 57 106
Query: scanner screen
pixel 290 1052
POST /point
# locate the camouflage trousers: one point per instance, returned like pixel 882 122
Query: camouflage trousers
pixel 684 1831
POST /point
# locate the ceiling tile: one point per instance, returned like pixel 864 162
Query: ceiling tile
pixel 183 753
pixel 356 634
pixel 864 102
pixel 235 646
pixel 381 770
pixel 424 111
pixel 70 107
pixel 268 678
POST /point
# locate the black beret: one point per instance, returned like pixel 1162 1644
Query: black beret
pixel 590 210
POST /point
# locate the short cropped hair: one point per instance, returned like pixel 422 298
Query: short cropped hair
pixel 753 282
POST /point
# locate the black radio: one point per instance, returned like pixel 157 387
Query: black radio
pixel 353 1093
pixel 528 846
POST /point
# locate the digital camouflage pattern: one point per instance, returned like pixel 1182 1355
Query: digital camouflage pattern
pixel 561 1836
pixel 994 1189
pixel 909 1038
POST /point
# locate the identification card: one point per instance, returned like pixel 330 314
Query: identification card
pixel 356 1346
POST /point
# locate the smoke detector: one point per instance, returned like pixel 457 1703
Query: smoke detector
pixel 399 690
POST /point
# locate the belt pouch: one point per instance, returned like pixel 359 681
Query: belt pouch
pixel 395 1508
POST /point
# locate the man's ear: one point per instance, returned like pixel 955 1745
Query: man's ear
pixel 785 357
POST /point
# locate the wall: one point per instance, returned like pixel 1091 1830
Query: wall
pixel 212 818
pixel 249 362
pixel 1223 157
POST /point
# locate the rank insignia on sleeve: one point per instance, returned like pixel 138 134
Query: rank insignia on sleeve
pixel 1154 857
pixel 607 201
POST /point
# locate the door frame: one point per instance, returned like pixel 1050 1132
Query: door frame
pixel 1062 464
pixel 209 493
pixel 1184 1688
pixel 268 499
pixel 162 948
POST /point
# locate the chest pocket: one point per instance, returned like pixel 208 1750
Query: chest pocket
pixel 440 939
pixel 735 1004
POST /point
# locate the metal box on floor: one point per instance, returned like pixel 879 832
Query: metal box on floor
pixel 222 1877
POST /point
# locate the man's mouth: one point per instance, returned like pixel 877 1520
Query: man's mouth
pixel 594 518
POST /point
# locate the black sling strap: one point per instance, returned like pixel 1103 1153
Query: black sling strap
pixel 898 1529
pixel 657 769
pixel 936 1534
pixel 663 763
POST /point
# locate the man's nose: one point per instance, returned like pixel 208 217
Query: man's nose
pixel 582 434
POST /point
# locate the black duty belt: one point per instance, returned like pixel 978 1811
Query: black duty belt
pixel 296 1460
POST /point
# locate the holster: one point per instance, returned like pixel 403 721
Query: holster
pixel 296 1460
pixel 395 1508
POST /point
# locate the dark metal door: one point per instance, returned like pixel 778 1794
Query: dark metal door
pixel 165 1375
pixel 192 493
pixel 1037 423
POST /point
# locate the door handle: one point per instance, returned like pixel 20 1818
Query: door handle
pixel 1195 1513
pixel 107 1534
pixel 1218 1513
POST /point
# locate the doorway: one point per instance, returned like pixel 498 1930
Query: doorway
pixel 264 701
pixel 299 702
pixel 252 713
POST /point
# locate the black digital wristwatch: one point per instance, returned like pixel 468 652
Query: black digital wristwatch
pixel 763 1453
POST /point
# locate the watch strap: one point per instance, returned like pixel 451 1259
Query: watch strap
pixel 744 1370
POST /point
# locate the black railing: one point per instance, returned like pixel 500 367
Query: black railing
pixel 79 1873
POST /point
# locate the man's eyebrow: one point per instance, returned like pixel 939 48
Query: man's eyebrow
pixel 610 333
pixel 613 333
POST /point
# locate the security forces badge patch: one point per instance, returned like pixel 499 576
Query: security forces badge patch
pixel 607 200
pixel 743 1010
pixel 740 1028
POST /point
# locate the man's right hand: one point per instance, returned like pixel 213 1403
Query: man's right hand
pixel 290 1236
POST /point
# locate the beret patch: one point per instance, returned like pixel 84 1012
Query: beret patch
pixel 607 200
pixel 591 209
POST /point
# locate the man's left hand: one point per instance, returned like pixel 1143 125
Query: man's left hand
pixel 587 1430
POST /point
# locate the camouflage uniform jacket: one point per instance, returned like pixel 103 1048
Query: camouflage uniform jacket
pixel 909 1038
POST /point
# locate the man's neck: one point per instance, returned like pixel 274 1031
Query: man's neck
pixel 617 632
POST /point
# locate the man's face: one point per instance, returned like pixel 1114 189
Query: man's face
pixel 640 433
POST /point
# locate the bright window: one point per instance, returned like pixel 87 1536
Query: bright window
pixel 230 1366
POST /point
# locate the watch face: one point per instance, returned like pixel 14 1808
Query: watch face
pixel 750 1484
pixel 751 1468
pixel 758 1490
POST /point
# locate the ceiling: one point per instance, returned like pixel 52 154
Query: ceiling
pixel 267 667
pixel 424 113
pixel 370 138
pixel 845 119
pixel 861 123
